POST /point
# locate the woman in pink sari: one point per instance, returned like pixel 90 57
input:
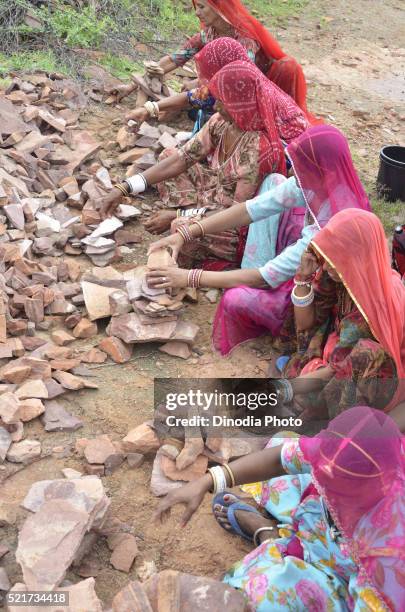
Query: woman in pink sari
pixel 325 182
pixel 332 537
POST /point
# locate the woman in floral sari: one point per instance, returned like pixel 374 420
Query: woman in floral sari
pixel 227 160
pixel 337 543
pixel 351 334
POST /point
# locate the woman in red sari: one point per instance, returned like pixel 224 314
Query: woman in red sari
pixel 239 146
pixel 229 18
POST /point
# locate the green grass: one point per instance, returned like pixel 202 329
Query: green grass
pixel 276 10
pixel 389 213
pixel 120 66
pixel 31 60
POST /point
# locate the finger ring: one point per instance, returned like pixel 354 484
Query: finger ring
pixel 164 279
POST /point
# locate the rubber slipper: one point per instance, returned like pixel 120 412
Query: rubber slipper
pixel 232 508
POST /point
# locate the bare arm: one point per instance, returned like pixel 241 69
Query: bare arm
pixel 305 317
pixel 166 169
pixel 171 276
pixel 256 467
pixel 167 64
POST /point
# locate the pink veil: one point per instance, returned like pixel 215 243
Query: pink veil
pixel 321 157
pixel 358 468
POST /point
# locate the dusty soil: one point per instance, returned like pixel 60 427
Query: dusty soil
pixel 350 52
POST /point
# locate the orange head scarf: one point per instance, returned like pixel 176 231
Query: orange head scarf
pixel 354 243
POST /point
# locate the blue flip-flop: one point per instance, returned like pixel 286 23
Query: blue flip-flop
pixel 232 508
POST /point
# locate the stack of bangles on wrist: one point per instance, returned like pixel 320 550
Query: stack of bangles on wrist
pixel 193 278
pixel 219 475
pixel 152 108
pixel 302 301
pixel 185 233
pixel 191 212
pixel 133 184
pixel 284 390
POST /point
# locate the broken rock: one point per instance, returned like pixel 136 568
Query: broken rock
pixel 124 553
pixel 116 349
pixel 142 440
pixel 30 409
pixel 56 418
pixel 48 542
pixel 85 329
pixel 25 451
pixel 99 449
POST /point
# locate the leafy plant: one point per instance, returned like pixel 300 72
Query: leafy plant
pixel 77 28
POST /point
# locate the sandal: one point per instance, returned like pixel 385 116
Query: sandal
pixel 232 508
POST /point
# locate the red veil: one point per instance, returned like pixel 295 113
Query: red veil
pixel 257 104
pixel 286 73
pixel 248 26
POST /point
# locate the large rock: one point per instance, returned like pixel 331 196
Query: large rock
pixel 129 328
pixel 96 299
pixel 194 471
pixel 132 598
pixel 85 494
pixel 171 590
pixel 48 542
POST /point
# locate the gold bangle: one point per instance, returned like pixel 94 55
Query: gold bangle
pixel 200 226
pixel 178 213
pixel 229 471
pixel 214 481
pixel 123 190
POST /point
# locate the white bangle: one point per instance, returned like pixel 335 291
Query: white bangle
pixel 219 478
pixel 136 183
pixel 302 301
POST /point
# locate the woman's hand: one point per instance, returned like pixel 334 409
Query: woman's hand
pixel 110 203
pixel 139 115
pixel 190 495
pixel 174 242
pixel 308 266
pixel 167 277
pixel 160 221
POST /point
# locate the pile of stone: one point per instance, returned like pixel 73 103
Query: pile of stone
pixel 140 150
pixel 51 187
pixel 138 313
pixel 180 460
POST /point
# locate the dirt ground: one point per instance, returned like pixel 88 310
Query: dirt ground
pixel 354 66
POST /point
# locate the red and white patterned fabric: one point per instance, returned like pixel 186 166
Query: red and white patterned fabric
pixel 257 104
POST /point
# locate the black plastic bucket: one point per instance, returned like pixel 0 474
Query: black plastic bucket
pixel 391 175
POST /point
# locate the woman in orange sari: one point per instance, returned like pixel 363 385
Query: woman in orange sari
pixel 350 320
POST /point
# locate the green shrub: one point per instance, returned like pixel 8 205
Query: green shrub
pixel 77 28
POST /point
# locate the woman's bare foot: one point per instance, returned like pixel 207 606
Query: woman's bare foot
pixel 249 522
